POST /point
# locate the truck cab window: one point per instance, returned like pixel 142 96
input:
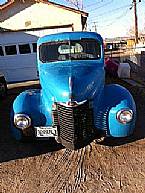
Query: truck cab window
pixel 50 52
pixel 84 49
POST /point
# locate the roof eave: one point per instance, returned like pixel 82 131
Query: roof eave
pixel 6 4
pixel 85 14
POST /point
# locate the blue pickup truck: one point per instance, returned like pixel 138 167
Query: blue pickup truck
pixel 74 106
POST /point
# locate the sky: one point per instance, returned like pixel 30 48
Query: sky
pixel 2 1
pixel 111 18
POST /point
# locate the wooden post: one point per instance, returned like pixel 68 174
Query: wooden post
pixel 136 21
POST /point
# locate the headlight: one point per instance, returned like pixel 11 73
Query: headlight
pixel 125 116
pixel 22 121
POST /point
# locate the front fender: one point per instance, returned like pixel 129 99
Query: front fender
pixel 116 98
pixel 28 102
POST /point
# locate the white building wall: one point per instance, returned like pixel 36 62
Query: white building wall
pixel 38 15
pixel 20 67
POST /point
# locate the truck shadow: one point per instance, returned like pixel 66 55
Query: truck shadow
pixel 10 149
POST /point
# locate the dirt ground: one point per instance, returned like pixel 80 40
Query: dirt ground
pixel 40 167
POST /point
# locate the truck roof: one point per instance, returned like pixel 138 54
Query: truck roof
pixel 69 36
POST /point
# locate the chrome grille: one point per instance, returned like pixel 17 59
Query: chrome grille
pixel 101 121
pixel 55 117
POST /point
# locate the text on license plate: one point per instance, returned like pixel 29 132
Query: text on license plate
pixel 46 131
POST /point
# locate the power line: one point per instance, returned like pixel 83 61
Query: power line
pixel 97 2
pixel 101 6
pixel 116 19
pixel 111 11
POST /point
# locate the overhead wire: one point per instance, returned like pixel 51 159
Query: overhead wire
pixel 111 11
pixel 116 19
pixel 97 2
pixel 94 9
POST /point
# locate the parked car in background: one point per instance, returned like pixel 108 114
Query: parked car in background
pixel 3 85
pixel 74 105
pixel 111 67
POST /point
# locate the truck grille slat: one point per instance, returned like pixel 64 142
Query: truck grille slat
pixel 75 124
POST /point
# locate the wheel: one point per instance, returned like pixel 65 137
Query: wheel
pixel 3 88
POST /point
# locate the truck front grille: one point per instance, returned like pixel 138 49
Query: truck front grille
pixel 76 124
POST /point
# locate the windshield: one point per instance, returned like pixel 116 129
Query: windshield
pixel 84 49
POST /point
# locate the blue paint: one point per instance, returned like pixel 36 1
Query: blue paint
pixel 116 98
pixel 76 80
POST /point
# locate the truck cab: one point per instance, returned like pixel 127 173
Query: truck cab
pixel 74 105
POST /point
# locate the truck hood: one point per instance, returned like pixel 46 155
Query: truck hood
pixel 65 81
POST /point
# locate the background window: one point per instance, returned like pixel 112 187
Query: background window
pixel 34 47
pixel 11 50
pixel 1 51
pixel 24 49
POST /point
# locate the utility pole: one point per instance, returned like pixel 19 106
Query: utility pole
pixel 95 26
pixel 81 4
pixel 136 21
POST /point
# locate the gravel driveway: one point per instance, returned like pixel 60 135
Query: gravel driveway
pixel 40 167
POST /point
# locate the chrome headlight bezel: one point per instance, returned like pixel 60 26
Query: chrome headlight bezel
pixel 22 121
pixel 128 116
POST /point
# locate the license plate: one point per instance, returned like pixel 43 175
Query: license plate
pixel 46 131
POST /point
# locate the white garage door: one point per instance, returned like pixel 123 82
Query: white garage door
pixel 18 53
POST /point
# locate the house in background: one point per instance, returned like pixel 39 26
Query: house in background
pixel 22 22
